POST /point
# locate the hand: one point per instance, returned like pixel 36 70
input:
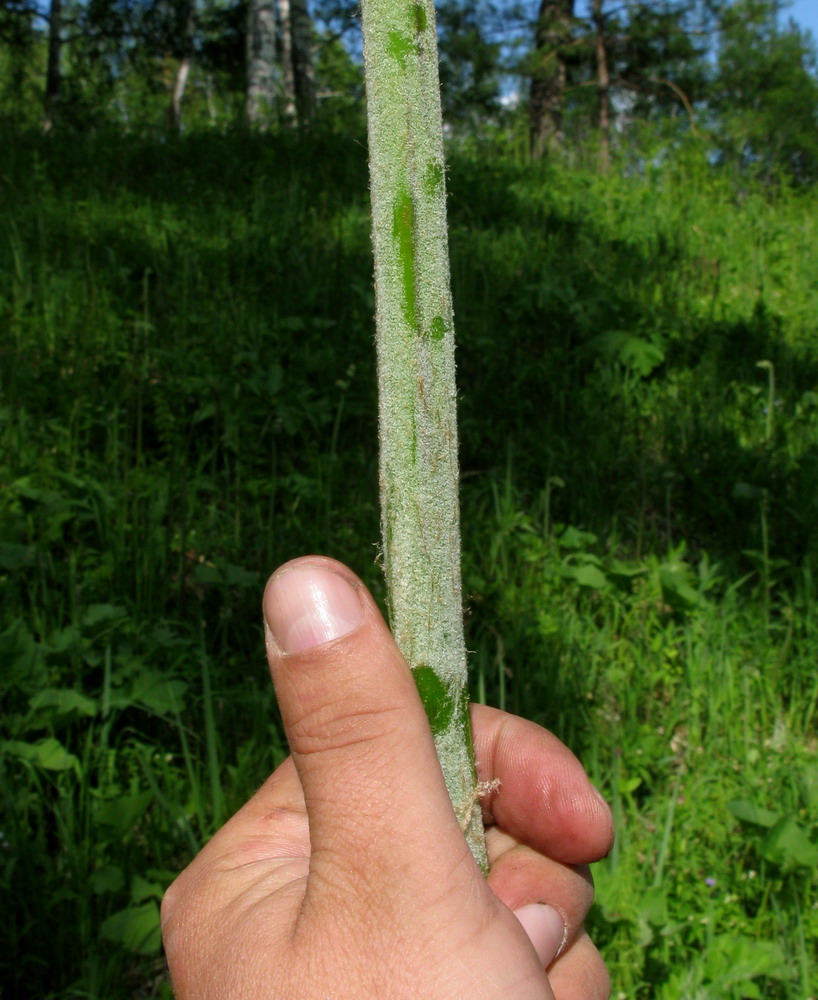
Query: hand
pixel 346 876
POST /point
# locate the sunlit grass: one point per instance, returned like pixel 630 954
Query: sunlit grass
pixel 698 720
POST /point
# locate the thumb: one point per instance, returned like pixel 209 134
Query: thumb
pixel 361 744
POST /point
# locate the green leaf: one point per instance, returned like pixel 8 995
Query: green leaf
pixel 122 814
pixel 226 573
pixel 59 706
pixel 675 586
pixel 639 355
pixel 573 538
pixel 809 783
pixel 651 915
pixel 587 575
pixel 108 879
pixel 62 639
pixel 747 812
pixel 653 906
pixel 135 928
pixel 24 487
pixel 237 576
pixel 142 889
pixel 734 958
pixel 207 574
pixel 629 570
pixel 788 845
pixel 49 754
pixel 96 613
pixel 161 694
pixel 204 413
pixel 23 663
pixel 166 635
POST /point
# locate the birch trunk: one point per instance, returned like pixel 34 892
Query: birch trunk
pixel 548 83
pixel 603 84
pixel 183 69
pixel 303 75
pixel 290 112
pixel 261 54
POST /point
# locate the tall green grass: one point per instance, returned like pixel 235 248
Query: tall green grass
pixel 697 717
pixel 187 399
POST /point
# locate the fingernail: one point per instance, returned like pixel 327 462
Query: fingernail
pixel 546 929
pixel 308 605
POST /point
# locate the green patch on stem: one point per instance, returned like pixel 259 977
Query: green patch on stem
pixel 437 330
pixel 436 697
pixel 400 47
pixel 403 231
pixel 433 178
pixel 419 19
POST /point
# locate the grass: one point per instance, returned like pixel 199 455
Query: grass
pixel 183 407
pixel 697 718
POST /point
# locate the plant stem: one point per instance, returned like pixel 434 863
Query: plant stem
pixel 416 378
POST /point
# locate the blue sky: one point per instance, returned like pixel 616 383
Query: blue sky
pixel 805 12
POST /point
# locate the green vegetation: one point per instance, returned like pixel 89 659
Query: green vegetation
pixel 188 398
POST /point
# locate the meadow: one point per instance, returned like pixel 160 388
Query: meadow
pixel 187 399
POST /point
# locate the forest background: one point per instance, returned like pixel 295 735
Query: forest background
pixel 187 398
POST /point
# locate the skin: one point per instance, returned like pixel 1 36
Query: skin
pixel 346 876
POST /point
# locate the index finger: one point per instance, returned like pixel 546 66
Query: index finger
pixel 544 797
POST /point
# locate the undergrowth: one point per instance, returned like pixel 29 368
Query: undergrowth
pixel 187 400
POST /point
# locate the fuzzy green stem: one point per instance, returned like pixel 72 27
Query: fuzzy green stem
pixel 416 378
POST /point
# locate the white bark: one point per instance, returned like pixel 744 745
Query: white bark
pixel 287 74
pixel 183 70
pixel 261 58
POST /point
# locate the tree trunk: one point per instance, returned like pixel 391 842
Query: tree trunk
pixel 604 84
pixel 261 54
pixel 303 75
pixel 289 108
pixel 183 69
pixel 53 77
pixel 548 82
